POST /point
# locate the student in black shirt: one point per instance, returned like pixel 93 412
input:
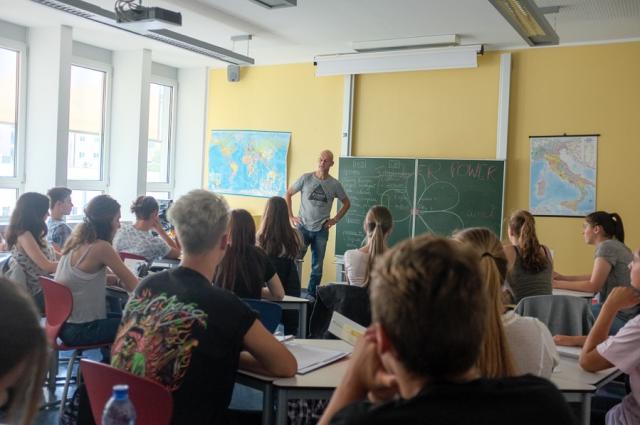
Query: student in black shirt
pixel 245 268
pixel 416 362
pixel 184 333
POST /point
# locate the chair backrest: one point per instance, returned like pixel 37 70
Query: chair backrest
pixel 563 314
pixel 153 402
pixel 125 255
pixel 58 305
pixel 270 314
pixel 349 300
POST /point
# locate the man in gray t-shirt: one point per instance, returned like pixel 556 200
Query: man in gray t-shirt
pixel 318 190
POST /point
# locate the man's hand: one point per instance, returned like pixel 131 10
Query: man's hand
pixel 621 298
pixel 295 221
pixel 330 222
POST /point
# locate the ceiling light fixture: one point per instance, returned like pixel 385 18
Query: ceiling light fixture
pixel 398 60
pixel 276 4
pixel 107 17
pixel 445 40
pixel 528 20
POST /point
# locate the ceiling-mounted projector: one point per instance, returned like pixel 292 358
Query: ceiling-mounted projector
pixel 135 16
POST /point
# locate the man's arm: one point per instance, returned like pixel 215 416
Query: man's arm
pixel 295 221
pixel 346 204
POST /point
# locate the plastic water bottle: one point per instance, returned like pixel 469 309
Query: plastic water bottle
pixel 279 331
pixel 119 409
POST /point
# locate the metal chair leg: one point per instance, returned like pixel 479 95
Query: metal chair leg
pixel 65 389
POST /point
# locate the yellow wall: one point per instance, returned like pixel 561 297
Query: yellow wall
pixel 281 98
pixel 579 90
pixel 453 113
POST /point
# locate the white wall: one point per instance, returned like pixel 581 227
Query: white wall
pixel 191 123
pixel 48 82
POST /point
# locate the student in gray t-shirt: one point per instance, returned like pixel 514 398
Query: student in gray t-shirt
pixel 318 190
pixel 610 267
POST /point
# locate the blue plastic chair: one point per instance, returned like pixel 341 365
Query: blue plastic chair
pixel 270 314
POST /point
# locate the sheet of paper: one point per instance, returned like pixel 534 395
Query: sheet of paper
pixel 345 328
pixel 312 358
pixel 569 352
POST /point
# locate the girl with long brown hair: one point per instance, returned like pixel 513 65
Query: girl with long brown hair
pixel 31 254
pixel 378 224
pixel 245 268
pixel 513 345
pixel 530 265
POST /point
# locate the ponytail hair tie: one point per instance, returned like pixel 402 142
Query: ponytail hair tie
pixel 486 254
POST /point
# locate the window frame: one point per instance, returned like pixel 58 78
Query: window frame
pixel 103 182
pixel 17 182
pixel 169 185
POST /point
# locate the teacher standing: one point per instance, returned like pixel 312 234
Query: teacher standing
pixel 318 190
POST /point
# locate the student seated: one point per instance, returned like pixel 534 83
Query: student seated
pixel 31 254
pixel 612 256
pixel 188 335
pixel 357 262
pixel 281 243
pixel 23 357
pixel 529 263
pixel 417 361
pixel 61 205
pixel 83 269
pixel 601 351
pixel 136 238
pixel 513 345
pixel 245 268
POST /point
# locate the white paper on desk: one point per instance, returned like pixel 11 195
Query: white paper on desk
pixel 312 358
pixel 133 265
pixel 345 328
pixel 569 352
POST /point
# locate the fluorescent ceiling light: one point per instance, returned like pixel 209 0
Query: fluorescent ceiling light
pixel 398 60
pixel 406 43
pixel 528 20
pixel 276 4
pixel 107 17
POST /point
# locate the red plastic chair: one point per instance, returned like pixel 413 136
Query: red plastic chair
pixel 152 401
pixel 125 255
pixel 58 305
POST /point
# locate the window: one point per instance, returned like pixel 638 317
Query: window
pixel 86 124
pixel 80 199
pixel 160 145
pixel 11 126
pixel 159 195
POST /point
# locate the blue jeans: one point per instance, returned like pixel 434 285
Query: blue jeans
pixel 318 242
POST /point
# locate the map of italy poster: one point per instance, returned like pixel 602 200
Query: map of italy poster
pixel 563 175
pixel 244 162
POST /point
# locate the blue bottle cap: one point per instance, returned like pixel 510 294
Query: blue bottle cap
pixel 120 392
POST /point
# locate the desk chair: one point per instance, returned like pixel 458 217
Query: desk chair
pixel 270 314
pixel 349 300
pixel 563 314
pixel 58 305
pixel 125 255
pixel 153 402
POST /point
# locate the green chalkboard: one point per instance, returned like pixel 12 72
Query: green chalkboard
pixel 424 195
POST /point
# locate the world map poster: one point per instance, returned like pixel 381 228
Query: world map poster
pixel 563 175
pixel 243 162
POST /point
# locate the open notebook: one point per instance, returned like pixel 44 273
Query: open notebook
pixel 311 358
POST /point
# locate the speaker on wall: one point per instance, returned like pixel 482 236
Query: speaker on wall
pixel 233 73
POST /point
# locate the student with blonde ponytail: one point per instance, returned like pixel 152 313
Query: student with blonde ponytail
pixel 530 266
pixel 513 345
pixel 378 224
pixel 610 267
